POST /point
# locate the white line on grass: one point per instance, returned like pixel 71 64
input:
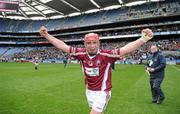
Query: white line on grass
pixel 176 68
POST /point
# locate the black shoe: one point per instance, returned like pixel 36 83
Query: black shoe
pixel 160 100
pixel 36 68
pixel 154 101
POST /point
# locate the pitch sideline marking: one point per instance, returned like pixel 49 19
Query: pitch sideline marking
pixel 176 68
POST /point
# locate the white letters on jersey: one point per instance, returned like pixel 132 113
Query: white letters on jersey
pixel 92 71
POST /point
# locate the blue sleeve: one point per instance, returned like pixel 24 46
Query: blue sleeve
pixel 162 63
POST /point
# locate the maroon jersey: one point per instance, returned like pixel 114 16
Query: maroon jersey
pixel 97 69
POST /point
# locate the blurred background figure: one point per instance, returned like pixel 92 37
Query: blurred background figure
pixel 156 68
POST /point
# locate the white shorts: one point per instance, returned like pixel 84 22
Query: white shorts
pixel 98 100
pixel 36 64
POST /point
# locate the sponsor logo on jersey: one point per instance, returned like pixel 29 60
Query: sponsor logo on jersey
pixel 92 71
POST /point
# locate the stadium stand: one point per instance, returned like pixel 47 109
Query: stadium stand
pixel 20 40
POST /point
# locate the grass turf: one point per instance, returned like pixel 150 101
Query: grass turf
pixel 55 90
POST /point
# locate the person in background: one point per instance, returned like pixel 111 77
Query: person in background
pixel 36 61
pixel 156 70
pixel 65 61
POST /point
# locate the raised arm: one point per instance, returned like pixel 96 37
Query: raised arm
pixel 56 42
pixel 147 34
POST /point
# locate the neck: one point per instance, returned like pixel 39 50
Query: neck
pixel 92 55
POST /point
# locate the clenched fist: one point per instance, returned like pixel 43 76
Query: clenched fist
pixel 147 34
pixel 43 31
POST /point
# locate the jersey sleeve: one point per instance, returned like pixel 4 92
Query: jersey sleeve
pixel 113 55
pixel 162 63
pixel 77 53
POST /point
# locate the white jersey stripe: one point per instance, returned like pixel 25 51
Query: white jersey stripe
pixel 108 55
pixel 105 77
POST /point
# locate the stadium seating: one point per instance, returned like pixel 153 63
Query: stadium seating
pixel 135 12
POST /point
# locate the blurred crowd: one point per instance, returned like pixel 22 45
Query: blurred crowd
pixel 55 54
pixel 42 52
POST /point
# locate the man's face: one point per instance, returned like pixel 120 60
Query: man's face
pixel 92 47
pixel 154 49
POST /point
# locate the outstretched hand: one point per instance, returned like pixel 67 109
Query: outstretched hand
pixel 43 31
pixel 147 34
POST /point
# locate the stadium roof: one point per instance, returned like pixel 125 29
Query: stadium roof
pixel 49 9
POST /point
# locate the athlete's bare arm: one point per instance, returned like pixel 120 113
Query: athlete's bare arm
pixel 56 42
pixel 147 34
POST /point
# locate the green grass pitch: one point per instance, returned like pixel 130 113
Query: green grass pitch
pixel 55 90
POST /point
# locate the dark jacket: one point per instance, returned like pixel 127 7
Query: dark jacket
pixel 158 62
